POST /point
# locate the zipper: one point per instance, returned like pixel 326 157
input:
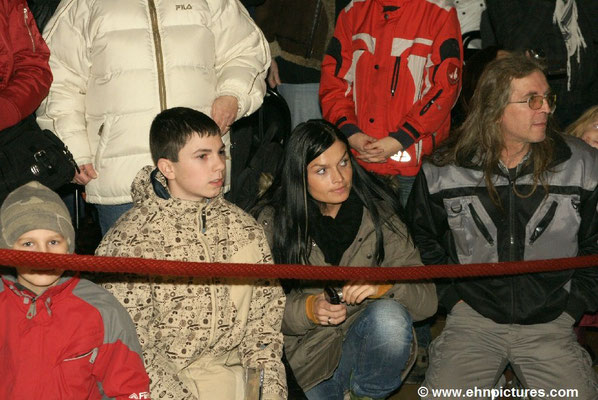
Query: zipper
pixel 26 17
pixel 395 76
pixel 203 220
pixel 429 104
pixel 512 241
pixel 544 222
pixel 159 55
pixel 93 353
pixel 481 227
pixel 314 26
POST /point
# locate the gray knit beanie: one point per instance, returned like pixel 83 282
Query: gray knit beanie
pixel 34 206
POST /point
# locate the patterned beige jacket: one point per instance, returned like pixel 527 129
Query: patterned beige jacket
pixel 199 336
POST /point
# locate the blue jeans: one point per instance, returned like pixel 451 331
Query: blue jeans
pixel 108 214
pixel 303 101
pixel 375 352
pixel 405 185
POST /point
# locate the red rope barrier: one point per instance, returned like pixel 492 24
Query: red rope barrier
pixel 286 271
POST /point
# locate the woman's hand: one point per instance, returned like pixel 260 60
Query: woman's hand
pixel 328 314
pixel 356 292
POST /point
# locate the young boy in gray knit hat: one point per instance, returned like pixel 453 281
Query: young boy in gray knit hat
pixel 61 336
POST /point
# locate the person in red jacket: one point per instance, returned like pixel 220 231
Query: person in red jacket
pixel 61 337
pixel 25 75
pixel 390 77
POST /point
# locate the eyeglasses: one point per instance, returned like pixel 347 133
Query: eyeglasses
pixel 536 101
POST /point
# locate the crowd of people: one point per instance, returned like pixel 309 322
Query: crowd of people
pixel 408 148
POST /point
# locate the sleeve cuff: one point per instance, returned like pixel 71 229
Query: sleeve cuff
pixel 402 137
pixel 382 289
pixel 349 130
pixel 309 309
pixel 275 49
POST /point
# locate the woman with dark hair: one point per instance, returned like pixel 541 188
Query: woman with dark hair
pixel 329 211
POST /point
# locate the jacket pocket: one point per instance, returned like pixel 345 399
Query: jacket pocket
pixel 555 221
pixel 472 230
pixel 480 225
pixel 89 356
pixel 76 372
pixel 544 222
pixel 26 20
pixel 101 134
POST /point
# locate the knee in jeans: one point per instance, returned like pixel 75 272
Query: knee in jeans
pixel 389 319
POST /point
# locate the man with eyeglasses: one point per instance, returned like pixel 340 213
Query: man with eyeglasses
pixel 508 187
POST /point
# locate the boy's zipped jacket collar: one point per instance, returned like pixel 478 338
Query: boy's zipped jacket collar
pixel 32 301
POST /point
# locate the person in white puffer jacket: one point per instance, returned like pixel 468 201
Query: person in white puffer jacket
pixel 118 63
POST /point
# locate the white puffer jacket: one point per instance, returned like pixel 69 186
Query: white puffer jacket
pixel 118 63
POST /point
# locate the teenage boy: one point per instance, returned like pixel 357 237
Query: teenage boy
pixel 61 337
pixel 201 338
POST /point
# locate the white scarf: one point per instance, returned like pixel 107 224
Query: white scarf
pixel 565 16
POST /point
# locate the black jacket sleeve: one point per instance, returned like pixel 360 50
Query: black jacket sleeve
pixel 428 223
pixel 584 283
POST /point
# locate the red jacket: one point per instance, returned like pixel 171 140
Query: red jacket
pixel 73 342
pixel 25 75
pixel 393 68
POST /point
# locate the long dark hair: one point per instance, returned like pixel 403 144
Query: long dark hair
pixel 480 134
pixel 293 204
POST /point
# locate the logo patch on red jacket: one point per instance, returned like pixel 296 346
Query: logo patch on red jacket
pixel 452 73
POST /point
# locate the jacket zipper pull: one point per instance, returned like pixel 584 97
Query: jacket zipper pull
pixel 32 312
pixel 94 354
pixel 203 220
pixel 47 304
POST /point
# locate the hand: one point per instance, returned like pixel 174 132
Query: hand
pixel 357 291
pixel 328 314
pixel 224 112
pixel 359 141
pixel 383 148
pixel 273 76
pixel 87 174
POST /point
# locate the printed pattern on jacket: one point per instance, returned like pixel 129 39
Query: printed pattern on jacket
pixel 25 75
pixel 455 221
pixel 196 331
pixel 393 68
pixel 74 341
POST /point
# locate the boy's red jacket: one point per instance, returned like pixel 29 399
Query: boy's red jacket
pixel 74 341
pixel 25 75
pixel 393 68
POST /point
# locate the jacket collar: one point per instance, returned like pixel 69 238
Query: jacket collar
pixel 150 188
pixel 392 3
pixel 561 153
pixel 63 287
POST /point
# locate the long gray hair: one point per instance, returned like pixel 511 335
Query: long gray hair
pixel 480 137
